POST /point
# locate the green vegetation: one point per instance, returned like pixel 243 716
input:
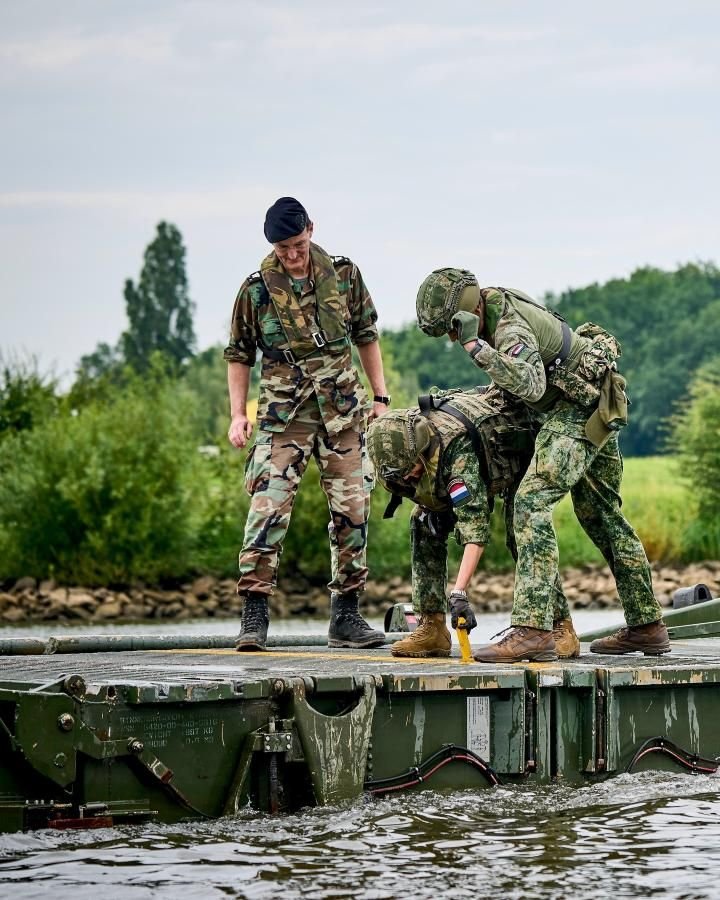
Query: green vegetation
pixel 696 439
pixel 129 476
pixel 107 495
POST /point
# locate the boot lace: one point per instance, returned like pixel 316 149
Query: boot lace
pixel 510 632
pixel 354 619
pixel 254 617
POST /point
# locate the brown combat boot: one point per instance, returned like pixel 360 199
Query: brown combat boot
pixel 650 639
pixel 520 642
pixel 430 638
pixel 567 645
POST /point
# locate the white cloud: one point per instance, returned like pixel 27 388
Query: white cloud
pixel 226 203
pixel 67 49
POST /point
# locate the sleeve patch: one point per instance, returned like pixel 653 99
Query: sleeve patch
pixel 458 491
pixel 517 349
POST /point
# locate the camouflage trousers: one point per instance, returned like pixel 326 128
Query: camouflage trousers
pixel 565 461
pixel 273 471
pixel 428 553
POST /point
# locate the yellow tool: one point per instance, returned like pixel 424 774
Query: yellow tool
pixel 465 651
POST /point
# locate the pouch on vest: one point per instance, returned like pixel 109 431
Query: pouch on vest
pixel 602 354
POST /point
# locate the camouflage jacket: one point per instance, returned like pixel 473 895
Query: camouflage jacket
pixel 260 319
pixel 467 494
pixel 521 339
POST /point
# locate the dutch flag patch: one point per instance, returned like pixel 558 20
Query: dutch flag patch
pixel 458 491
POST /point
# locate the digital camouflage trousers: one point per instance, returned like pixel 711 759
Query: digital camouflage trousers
pixel 428 553
pixel 565 461
pixel 273 471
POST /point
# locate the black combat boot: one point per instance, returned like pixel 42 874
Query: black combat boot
pixel 255 621
pixel 347 626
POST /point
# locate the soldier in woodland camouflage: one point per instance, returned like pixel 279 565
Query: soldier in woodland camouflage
pixel 570 380
pixel 302 311
pixel 452 456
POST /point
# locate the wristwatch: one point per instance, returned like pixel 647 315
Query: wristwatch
pixel 479 344
pixel 378 398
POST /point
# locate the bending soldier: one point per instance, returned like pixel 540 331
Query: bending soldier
pixel 302 310
pixel 570 379
pixel 452 456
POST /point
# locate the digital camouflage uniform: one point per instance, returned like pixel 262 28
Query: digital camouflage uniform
pixel 456 492
pixel 311 403
pixel 522 345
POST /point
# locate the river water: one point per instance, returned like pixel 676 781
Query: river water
pixel 643 835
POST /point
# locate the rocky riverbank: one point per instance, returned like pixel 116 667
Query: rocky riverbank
pixel 28 600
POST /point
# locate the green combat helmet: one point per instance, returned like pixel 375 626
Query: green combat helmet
pixel 441 295
pixel 394 442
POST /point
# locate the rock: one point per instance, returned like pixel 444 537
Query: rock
pixel 205 586
pixel 13 614
pixel 108 610
pixel 7 600
pixel 24 584
pixel 78 598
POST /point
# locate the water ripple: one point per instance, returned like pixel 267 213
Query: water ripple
pixel 632 836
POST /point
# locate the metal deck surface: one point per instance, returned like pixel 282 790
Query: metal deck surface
pixel 223 666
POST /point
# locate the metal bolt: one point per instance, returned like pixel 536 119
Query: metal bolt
pixel 75 686
pixel 65 722
pixel 135 746
pixel 60 760
pixel 278 687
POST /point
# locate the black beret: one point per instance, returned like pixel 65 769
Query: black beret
pixel 285 218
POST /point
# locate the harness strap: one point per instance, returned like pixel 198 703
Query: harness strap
pixel 427 402
pixel 393 503
pixel 288 355
pixel 564 350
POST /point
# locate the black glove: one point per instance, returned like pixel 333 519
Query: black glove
pixel 460 609
pixel 466 325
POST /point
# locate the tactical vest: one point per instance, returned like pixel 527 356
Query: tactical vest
pixel 560 348
pixel 502 439
pixel 305 335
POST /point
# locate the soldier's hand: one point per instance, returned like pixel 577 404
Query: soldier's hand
pixel 460 609
pixel 466 325
pixel 378 409
pixel 240 431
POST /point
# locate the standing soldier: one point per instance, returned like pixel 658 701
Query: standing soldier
pixel 571 380
pixel 452 456
pixel 302 310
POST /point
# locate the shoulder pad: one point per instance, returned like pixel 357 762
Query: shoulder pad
pixel 341 261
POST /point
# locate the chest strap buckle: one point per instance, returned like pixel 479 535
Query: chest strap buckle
pixel 289 357
pixel 319 339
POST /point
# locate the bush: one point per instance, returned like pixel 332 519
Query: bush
pixel 695 438
pixel 26 396
pixel 108 495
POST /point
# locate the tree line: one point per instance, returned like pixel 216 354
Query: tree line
pixel 103 482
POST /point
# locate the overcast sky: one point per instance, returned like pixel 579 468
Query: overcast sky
pixel 543 145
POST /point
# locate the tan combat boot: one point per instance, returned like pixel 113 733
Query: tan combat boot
pixel 520 642
pixel 567 645
pixel 650 639
pixel 430 638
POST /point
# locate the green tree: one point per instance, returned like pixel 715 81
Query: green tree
pixel 27 397
pixel 695 438
pixel 668 324
pixel 159 308
pixel 422 362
